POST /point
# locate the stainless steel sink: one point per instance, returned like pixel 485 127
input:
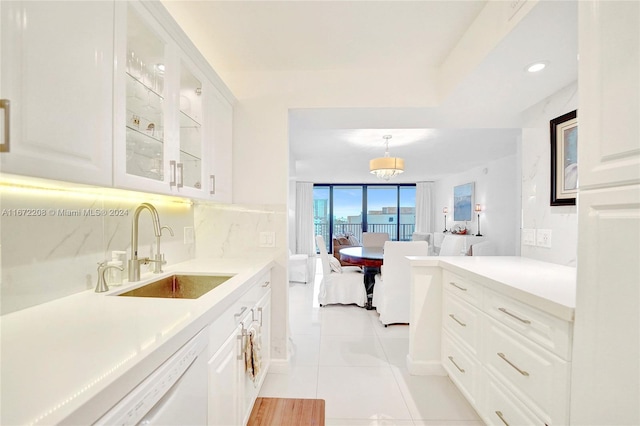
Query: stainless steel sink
pixel 178 286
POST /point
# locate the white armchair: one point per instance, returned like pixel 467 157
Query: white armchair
pixel 340 284
pixel 374 239
pixel 392 291
pixel 298 267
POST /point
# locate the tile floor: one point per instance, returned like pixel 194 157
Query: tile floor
pixel 342 354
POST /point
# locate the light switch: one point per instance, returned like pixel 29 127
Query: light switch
pixel 267 239
pixel 529 237
pixel 543 238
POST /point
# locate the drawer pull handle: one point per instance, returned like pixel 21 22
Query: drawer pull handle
pixel 501 355
pixel 526 321
pixel 239 314
pixel 457 320
pixel 499 414
pixel 457 286
pixel 266 284
pixel 457 366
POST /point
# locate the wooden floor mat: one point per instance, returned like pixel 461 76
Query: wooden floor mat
pixel 287 411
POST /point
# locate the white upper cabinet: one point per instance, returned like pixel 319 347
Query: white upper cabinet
pixel 57 76
pixel 168 113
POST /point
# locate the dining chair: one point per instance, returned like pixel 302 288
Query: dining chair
pixel 484 248
pixel 452 246
pixel 374 239
pixel 392 291
pixel 340 284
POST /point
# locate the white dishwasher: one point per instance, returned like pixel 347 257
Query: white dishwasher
pixel 174 394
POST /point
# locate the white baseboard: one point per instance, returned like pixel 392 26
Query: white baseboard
pixel 425 368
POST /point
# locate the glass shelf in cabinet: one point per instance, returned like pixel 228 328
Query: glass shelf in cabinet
pixel 134 82
pixel 143 135
pixel 186 121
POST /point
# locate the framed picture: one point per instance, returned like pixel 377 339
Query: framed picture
pixel 462 202
pixel 564 159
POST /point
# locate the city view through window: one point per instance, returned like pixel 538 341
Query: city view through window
pixel 354 209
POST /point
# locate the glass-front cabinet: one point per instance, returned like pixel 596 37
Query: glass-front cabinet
pixel 168 112
pixel 144 75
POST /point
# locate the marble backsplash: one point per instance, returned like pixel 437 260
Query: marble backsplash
pixel 230 230
pixel 53 240
pixel 53 251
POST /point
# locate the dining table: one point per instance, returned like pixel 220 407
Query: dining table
pixel 370 258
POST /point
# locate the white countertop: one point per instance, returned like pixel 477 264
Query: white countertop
pixel 66 360
pixel 546 286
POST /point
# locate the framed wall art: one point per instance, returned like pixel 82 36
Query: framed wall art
pixel 564 159
pixel 462 202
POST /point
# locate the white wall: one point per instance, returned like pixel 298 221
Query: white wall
pixel 537 213
pixel 496 189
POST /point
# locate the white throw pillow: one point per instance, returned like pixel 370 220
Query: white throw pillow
pixel 353 240
pixel 335 265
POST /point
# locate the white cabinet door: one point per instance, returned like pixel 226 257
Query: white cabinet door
pixel 226 381
pixel 57 73
pixel 606 347
pixel 219 172
pixel 145 74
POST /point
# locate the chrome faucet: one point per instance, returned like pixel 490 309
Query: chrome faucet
pixel 101 285
pixel 158 259
pixel 134 263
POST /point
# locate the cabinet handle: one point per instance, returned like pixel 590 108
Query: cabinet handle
pixel 457 320
pixel 241 353
pixel 180 167
pixel 499 414
pixel 526 321
pixel 457 366
pixel 239 314
pixel 172 173
pixel 266 284
pixel 5 104
pixel 457 286
pixel 213 185
pixel 260 312
pixel 524 373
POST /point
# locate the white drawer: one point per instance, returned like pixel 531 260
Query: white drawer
pixel 501 408
pixel 535 375
pixel 224 325
pixel 462 288
pixel 462 367
pixel 551 332
pixel 463 320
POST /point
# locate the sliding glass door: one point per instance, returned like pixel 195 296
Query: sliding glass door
pixel 354 209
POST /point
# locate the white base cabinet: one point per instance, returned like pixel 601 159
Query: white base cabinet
pixel 510 360
pixel 232 389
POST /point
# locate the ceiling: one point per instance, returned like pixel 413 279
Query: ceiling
pixel 478 122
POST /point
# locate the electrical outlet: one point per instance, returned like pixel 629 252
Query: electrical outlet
pixel 267 239
pixel 189 236
pixel 543 238
pixel 529 237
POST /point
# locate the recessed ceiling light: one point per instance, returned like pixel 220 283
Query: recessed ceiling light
pixel 538 66
pixel 160 67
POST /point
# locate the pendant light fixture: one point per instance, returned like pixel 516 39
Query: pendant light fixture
pixel 386 167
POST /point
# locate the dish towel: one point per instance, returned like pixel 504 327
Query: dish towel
pixel 252 359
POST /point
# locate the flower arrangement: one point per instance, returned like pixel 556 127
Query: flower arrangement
pixel 459 229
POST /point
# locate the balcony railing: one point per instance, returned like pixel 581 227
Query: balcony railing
pixel 406 231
